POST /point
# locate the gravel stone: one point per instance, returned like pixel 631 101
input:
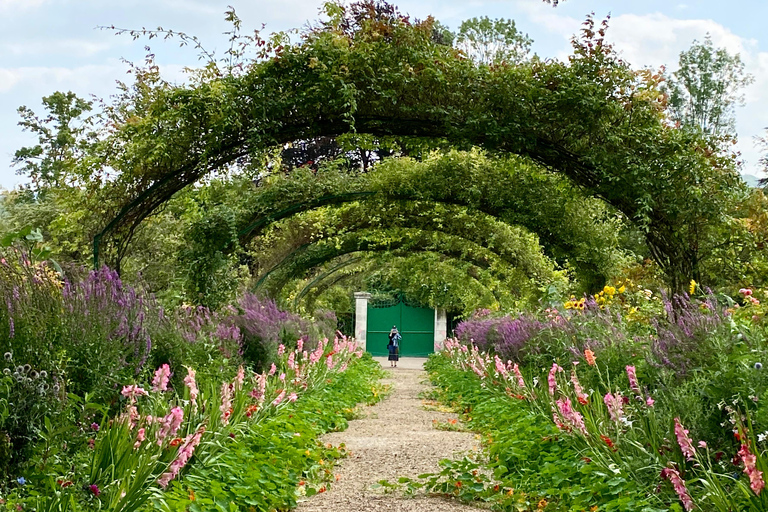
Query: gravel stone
pixel 395 438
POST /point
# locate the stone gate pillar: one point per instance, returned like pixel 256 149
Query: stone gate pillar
pixel 361 318
pixel 441 328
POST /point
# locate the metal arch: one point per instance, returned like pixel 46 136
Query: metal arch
pixel 322 276
pixel 347 276
pixel 321 258
pixel 302 207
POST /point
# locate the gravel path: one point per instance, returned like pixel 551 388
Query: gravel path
pixel 394 438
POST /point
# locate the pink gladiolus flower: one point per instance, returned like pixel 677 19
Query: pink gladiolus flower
pixel 750 468
pixel 292 397
pixel 272 369
pixel 280 350
pixel 581 396
pixel 650 401
pixel 133 415
pixel 746 292
pixel 558 423
pixel 633 384
pixel 190 382
pixel 170 425
pixel 131 392
pixel 226 402
pixel 500 368
pixel 279 398
pixel 614 405
pixel 282 377
pixel 185 453
pixel 292 361
pixel 162 376
pixel 572 417
pixel 299 345
pixel 686 446
pixel 551 379
pixel 140 437
pixel 257 393
pixel 239 378
pixel 520 380
pixel 343 367
pixel 702 444
pixel 329 362
pixel 679 485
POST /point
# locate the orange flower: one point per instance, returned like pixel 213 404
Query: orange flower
pixel 608 441
pixel 542 504
pixel 175 442
pixel 590 357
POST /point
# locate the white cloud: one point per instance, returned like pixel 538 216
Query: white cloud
pixel 656 39
pixel 18 5
pixel 70 47
pixel 8 79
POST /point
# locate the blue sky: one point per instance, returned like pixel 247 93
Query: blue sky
pixel 50 45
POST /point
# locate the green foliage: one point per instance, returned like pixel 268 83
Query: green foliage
pixel 65 142
pixel 707 87
pixel 534 467
pixel 211 277
pixel 497 41
pixel 283 457
pixel 368 69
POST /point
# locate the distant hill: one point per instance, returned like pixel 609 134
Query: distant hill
pixel 752 181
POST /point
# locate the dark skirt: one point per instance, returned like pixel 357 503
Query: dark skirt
pixel 394 353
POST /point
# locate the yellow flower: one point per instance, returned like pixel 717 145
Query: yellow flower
pixel 692 288
pixel 609 290
pixel 622 289
pixel 542 504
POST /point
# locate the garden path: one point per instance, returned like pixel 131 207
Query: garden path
pixel 394 438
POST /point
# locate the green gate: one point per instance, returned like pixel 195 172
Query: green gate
pixel 416 325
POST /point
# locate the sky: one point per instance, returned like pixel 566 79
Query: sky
pixel 56 45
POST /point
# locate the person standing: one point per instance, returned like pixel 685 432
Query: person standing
pixel 394 346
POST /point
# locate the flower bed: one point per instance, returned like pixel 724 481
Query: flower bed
pixel 662 414
pixel 249 441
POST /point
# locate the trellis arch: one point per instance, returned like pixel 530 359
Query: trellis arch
pixel 309 256
pixel 593 119
pixel 510 192
pixel 474 273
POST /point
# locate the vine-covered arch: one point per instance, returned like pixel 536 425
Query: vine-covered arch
pixel 593 119
pixel 398 241
pixel 511 192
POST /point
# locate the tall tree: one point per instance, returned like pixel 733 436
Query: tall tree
pixel 64 136
pixel 704 92
pixel 493 41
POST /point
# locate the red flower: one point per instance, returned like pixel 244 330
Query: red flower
pixel 176 442
pixel 607 440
